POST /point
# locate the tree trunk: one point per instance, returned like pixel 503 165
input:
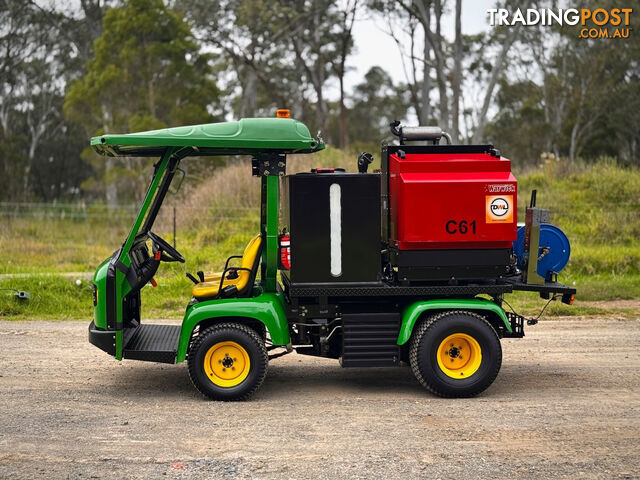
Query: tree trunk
pixel 297 105
pixel 493 80
pixel 412 82
pixel 93 11
pixel 440 69
pixel 322 114
pixel 435 40
pixel 249 95
pixel 33 144
pixel 348 19
pixel 574 142
pixel 111 190
pixel 457 74
pixel 343 116
pixel 322 109
pixel 425 88
pixel 5 110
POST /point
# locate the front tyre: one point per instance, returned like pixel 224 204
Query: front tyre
pixel 455 354
pixel 228 362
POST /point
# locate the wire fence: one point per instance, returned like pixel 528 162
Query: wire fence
pixel 89 211
pixel 73 231
pixel 83 211
pixel 20 222
pixel 178 216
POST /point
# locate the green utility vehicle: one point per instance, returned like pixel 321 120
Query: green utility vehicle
pixel 367 268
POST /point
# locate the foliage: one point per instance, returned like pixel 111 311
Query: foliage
pixel 571 96
pixel 376 103
pixel 132 65
pixel 35 64
pixel 147 74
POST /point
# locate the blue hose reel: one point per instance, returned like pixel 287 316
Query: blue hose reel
pixel 554 250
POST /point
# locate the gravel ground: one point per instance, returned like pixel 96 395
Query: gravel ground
pixel 566 404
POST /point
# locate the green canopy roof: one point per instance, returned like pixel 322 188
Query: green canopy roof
pixel 246 136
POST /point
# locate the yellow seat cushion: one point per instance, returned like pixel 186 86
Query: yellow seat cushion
pixel 209 288
pixel 212 276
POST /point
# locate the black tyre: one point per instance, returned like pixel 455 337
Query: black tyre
pixel 455 354
pixel 228 362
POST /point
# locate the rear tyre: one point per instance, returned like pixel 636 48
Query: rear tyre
pixel 228 362
pixel 455 354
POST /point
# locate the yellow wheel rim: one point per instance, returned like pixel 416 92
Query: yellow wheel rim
pixel 459 356
pixel 227 364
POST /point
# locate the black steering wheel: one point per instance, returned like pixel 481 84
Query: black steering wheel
pixel 169 254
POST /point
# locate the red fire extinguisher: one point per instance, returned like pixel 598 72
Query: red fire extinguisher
pixel 285 250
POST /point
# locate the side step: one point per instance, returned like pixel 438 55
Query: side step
pixel 369 340
pixel 152 343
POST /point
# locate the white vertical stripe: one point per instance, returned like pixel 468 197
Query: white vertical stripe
pixel 335 216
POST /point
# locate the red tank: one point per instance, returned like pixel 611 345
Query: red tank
pixel 451 201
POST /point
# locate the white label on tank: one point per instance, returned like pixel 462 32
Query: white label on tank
pixel 335 218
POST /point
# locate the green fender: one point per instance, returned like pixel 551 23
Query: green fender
pixel 413 312
pixel 267 308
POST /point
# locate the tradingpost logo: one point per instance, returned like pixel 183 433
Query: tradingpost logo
pixel 590 22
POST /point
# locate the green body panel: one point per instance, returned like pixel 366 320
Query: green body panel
pixel 246 136
pixel 100 281
pixel 121 291
pixel 267 308
pixel 269 227
pixel 411 313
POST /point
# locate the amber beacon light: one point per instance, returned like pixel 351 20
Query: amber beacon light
pixel 283 113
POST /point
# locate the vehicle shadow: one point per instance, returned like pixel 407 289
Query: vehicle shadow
pixel 327 378
pixel 172 381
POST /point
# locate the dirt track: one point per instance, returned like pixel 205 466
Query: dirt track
pixel 566 404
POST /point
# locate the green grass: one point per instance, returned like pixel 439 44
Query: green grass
pixel 52 297
pixel 597 206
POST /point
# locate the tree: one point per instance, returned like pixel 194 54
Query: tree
pixel 456 77
pixel 403 25
pixel 282 53
pixel 16 46
pixel 78 28
pixel 570 96
pixel 376 103
pixel 495 71
pixel 344 42
pixel 435 58
pixel 147 73
pixel 252 40
pixel 33 69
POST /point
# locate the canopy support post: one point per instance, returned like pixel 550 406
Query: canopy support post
pixel 269 167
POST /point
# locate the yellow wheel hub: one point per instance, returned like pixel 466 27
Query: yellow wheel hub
pixel 459 356
pixel 227 364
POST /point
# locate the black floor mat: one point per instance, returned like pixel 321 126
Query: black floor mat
pixel 153 343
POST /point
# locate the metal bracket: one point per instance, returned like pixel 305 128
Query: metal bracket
pixel 265 164
pixel 517 325
pixel 534 217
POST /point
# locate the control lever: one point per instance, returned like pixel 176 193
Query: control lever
pixel 364 160
pixel 192 278
pixel 200 274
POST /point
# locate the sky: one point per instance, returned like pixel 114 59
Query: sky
pixel 375 47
